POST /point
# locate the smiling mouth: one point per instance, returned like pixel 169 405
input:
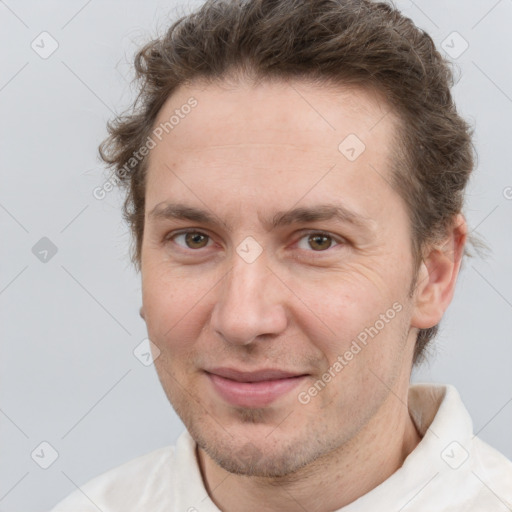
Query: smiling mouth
pixel 253 389
pixel 265 374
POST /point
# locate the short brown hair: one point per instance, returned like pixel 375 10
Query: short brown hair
pixel 356 42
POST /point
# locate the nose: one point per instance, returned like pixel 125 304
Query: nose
pixel 250 304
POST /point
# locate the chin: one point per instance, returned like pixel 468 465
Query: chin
pixel 251 460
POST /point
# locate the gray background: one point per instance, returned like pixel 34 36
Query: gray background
pixel 69 325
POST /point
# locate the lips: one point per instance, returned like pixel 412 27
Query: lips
pixel 253 388
pixel 253 376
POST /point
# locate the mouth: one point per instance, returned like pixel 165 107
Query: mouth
pixel 255 388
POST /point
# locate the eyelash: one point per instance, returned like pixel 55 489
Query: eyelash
pixel 337 240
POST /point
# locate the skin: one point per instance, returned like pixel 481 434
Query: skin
pixel 244 154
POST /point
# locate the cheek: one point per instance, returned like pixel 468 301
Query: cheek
pixel 343 305
pixel 174 310
pixel 356 322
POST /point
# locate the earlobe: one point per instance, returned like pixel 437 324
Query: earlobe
pixel 141 313
pixel 437 277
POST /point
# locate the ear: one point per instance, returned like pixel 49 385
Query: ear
pixel 141 313
pixel 437 276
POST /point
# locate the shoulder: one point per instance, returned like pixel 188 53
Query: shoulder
pixel 493 471
pixel 462 471
pixel 137 482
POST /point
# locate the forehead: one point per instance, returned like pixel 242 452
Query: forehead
pixel 303 114
pixel 240 141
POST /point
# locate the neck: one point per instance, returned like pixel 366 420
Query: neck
pixel 329 483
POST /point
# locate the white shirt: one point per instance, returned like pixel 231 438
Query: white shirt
pixel 449 470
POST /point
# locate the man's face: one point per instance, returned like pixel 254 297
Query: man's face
pixel 249 275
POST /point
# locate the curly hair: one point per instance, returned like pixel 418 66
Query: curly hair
pixel 342 42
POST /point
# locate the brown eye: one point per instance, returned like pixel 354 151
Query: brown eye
pixel 195 240
pixel 319 242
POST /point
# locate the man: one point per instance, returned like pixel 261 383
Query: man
pixel 295 174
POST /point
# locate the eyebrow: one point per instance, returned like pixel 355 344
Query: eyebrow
pixel 323 212
pixel 168 211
